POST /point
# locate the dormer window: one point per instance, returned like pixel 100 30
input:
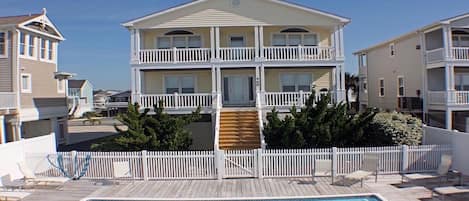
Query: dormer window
pixel 179 39
pixel 295 37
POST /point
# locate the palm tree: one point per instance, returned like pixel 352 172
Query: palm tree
pixel 351 83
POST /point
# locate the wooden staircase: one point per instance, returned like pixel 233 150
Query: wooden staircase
pixel 239 130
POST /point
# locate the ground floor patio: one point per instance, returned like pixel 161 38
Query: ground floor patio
pixel 389 186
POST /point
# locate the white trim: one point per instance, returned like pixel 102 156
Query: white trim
pixel 379 87
pixel 311 10
pixel 399 86
pixel 33 114
pixel 179 84
pixel 171 39
pixel 45 20
pixel 29 77
pixel 6 43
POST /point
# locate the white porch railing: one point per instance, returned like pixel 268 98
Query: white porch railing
pixel 450 97
pixel 461 53
pixel 289 99
pixel 435 55
pixel 458 97
pixel 175 101
pixel 298 53
pixel 175 55
pixel 7 100
pixel 437 97
pixel 237 53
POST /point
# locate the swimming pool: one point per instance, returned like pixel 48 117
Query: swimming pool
pixel 364 197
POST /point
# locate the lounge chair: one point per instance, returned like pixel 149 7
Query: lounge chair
pixel 442 171
pixel 443 191
pixel 369 167
pixel 8 183
pixel 322 168
pixel 31 179
pixel 13 195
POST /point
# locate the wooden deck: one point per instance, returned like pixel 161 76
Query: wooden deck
pixel 77 190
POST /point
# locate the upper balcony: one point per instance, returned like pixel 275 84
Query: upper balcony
pixel 447 44
pixel 236 44
pixel 7 100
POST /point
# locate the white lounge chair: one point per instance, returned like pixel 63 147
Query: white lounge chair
pixel 31 179
pixel 369 167
pixel 8 183
pixel 443 191
pixel 442 171
pixel 322 168
pixel 13 195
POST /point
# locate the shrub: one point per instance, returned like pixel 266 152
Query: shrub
pixel 392 128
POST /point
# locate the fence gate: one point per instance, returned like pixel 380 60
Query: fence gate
pixel 240 163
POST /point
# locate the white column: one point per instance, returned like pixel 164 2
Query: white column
pixel 2 130
pixel 334 81
pixel 336 42
pixel 447 77
pixel 217 42
pixel 342 77
pixel 218 79
pixel 258 79
pixel 341 38
pixel 446 41
pixel 262 78
pixel 16 123
pixel 132 85
pixel 261 41
pixel 212 42
pixel 139 81
pixel 256 41
pixel 214 80
pixel 449 119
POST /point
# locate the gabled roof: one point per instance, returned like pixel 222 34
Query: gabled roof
pixel 195 2
pixel 15 20
pixel 122 94
pixel 422 29
pixel 76 84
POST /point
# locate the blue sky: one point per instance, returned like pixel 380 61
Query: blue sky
pixel 97 46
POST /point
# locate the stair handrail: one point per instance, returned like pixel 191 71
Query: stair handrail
pixel 261 118
pixel 217 122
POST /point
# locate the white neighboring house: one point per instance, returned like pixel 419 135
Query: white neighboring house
pixel 80 96
pixel 237 59
pixel 427 67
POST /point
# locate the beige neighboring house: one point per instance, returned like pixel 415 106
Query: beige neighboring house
pixel 428 65
pixel 237 59
pixel 32 100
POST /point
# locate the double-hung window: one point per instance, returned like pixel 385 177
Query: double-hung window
pixel 295 37
pixel 179 84
pixel 293 82
pixel 50 50
pixel 401 86
pixel 26 86
pixel 167 42
pixel 3 43
pixel 381 87
pixel 22 43
pixel 43 48
pixel 462 82
pixel 31 46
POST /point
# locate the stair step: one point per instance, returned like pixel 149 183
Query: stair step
pixel 239 130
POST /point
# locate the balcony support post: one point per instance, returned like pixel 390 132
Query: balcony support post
pixel 256 42
pixel 261 41
pixel 212 43
pixel 214 80
pixel 449 119
pixel 262 78
pixel 447 42
pixel 217 42
pixel 341 38
pixel 2 130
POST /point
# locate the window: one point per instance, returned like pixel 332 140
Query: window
pixel 50 50
pixel 26 83
pixel 180 84
pixel 392 50
pixel 294 37
pixel 3 44
pixel 61 86
pixel 381 87
pixel 462 82
pixel 237 41
pixel 362 60
pixel 179 39
pixel 296 82
pixel 43 48
pixel 31 46
pixel 460 40
pixel 401 86
pixel 22 43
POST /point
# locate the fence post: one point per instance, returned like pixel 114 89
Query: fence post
pixel 73 156
pixel 144 165
pixel 176 100
pixel 220 165
pixel 334 163
pixel 260 172
pixel 405 158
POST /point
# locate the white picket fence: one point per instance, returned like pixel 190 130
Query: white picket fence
pixel 254 163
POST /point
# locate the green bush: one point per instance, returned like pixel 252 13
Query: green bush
pixel 392 128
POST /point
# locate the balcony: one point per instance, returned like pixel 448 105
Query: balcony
pixel 455 98
pixel 289 99
pixel 7 101
pixel 233 54
pixel 461 53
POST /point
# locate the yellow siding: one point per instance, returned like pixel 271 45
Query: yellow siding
pixel 321 77
pixel 154 80
pixel 247 13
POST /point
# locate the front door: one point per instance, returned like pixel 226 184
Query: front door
pixel 238 90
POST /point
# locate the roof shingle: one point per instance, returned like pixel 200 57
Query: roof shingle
pixel 17 19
